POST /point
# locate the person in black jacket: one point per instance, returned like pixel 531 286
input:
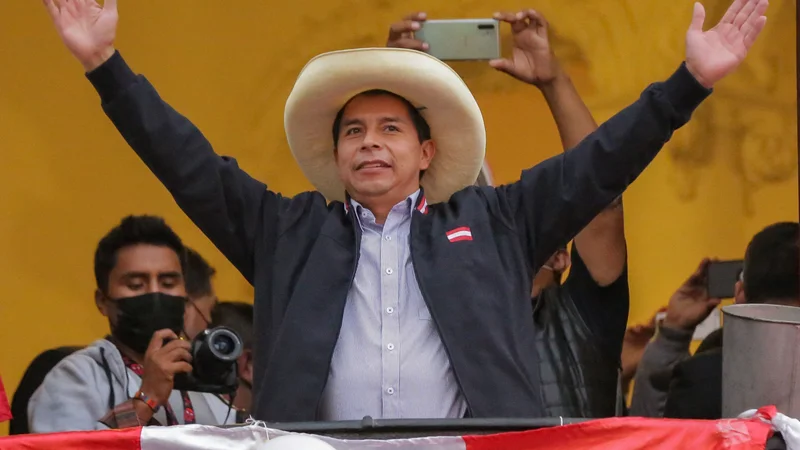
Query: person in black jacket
pixel 396 289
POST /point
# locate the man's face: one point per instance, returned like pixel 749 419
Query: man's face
pixel 378 151
pixel 198 314
pixel 141 269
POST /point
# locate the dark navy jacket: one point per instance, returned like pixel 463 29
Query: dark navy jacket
pixel 300 253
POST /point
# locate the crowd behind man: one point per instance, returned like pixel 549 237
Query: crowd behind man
pixel 354 283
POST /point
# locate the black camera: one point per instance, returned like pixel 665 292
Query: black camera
pixel 214 354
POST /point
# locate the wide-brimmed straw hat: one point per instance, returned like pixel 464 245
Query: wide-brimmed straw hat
pixel 329 80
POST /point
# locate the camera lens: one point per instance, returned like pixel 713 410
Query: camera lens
pixel 224 344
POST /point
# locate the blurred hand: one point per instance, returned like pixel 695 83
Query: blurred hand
pixel 640 335
pixel 532 60
pixel 401 34
pixel 87 29
pixel 634 343
pixel 690 304
pixel 713 54
pixel 162 362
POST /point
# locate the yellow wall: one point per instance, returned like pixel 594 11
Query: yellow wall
pixel 66 176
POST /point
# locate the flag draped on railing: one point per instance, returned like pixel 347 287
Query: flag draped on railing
pixel 626 433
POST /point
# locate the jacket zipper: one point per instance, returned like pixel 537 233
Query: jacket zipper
pixel 433 316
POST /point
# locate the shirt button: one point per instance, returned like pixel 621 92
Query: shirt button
pixel 390 391
pixel 390 346
pixel 388 238
pixel 390 310
pixel 389 271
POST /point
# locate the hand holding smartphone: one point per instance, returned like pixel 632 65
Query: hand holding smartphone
pixel 532 61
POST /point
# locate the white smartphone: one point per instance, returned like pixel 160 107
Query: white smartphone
pixel 461 39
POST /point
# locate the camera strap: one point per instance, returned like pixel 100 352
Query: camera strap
pixel 188 409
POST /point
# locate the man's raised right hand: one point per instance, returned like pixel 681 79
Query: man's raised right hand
pixel 87 29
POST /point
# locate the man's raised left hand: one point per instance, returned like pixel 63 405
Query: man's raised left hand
pixel 711 55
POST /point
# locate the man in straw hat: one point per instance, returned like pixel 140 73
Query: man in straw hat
pixel 372 296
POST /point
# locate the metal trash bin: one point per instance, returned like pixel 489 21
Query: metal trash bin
pixel 760 358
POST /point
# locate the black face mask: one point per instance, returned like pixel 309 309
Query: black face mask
pixel 139 317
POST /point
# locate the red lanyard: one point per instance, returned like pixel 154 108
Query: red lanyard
pixel 188 410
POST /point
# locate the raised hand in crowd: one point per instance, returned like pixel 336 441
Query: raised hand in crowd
pixel 713 54
pixel 87 28
pixel 401 33
pixel 532 60
pixel 633 344
pixel 690 304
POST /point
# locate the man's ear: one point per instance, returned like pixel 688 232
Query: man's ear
pixel 428 151
pixel 100 302
pixel 738 293
pixel 245 366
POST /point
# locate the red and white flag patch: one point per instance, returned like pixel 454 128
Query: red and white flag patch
pixel 459 234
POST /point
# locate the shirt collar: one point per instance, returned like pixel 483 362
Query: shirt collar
pixel 410 204
pixel 417 201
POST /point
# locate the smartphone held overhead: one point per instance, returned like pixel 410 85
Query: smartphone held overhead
pixel 461 39
pixel 722 278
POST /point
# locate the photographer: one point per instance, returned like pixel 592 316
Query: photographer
pixel 127 378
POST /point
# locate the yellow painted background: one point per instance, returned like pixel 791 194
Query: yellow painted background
pixel 66 176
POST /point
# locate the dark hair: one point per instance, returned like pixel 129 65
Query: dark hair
pixel 421 125
pixel 133 230
pixel 237 316
pixel 197 274
pixel 772 264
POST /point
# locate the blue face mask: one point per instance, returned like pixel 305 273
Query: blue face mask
pixel 139 317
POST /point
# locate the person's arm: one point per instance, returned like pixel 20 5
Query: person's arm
pixel 220 198
pixel 601 243
pixel 229 206
pixel 651 382
pixel 73 396
pixel 557 198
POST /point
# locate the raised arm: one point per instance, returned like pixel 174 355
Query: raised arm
pixel 556 199
pixel 221 199
pixel 601 244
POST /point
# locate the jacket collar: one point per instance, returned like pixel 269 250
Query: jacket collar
pixel 418 201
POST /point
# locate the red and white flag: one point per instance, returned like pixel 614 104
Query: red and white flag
pixel 459 234
pixel 626 433
pixel 5 410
